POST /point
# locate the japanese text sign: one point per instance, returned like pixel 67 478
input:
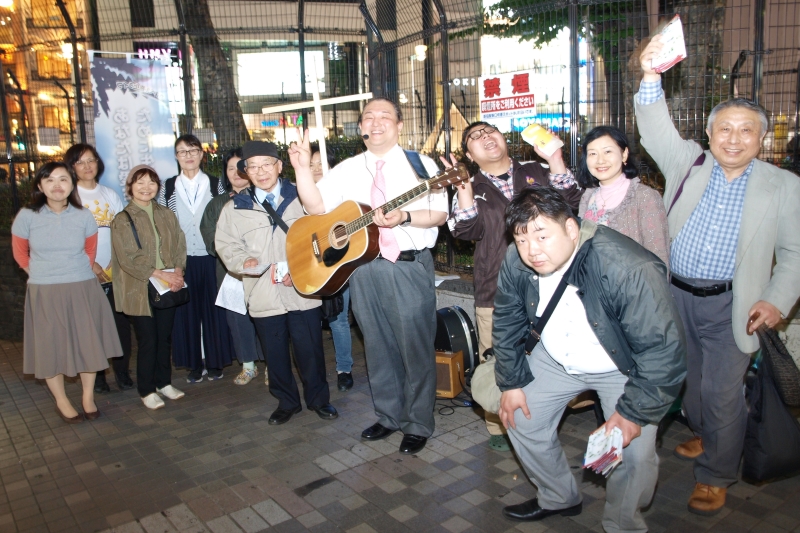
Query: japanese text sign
pixel 506 95
pixel 132 120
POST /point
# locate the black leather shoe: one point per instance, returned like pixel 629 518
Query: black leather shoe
pixel 326 412
pixel 376 432
pixel 344 381
pixel 530 511
pixel 281 416
pixel 124 381
pixel 100 384
pixel 412 444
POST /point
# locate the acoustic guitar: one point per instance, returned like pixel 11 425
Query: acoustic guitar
pixel 323 251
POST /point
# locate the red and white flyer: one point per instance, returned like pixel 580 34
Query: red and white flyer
pixel 674 50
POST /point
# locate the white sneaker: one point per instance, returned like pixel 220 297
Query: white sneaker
pixel 152 401
pixel 171 392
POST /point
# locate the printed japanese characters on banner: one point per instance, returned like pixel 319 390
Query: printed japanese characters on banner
pixel 132 122
pixel 507 95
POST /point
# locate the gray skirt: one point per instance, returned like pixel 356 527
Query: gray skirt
pixel 69 329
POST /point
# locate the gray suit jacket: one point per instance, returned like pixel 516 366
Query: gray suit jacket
pixel 770 228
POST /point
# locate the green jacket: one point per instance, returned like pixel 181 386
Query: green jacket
pixel 208 229
pixel 133 266
pixel 628 302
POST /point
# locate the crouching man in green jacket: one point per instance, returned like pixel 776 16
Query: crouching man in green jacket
pixel 615 330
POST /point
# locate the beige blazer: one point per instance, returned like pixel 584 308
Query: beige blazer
pixel 769 233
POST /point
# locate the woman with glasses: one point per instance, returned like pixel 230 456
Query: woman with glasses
pixel 201 330
pixel 69 328
pixel 103 203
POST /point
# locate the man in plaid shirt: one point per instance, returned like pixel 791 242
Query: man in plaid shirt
pixel 479 215
pixel 729 215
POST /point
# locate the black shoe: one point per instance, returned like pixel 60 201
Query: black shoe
pixel 326 412
pixel 100 384
pixel 124 381
pixel 195 376
pixel 281 416
pixel 345 381
pixel 412 444
pixel 376 432
pixel 530 511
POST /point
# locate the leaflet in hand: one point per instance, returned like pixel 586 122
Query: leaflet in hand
pixel 674 50
pixel 162 287
pixel 539 137
pixel 281 269
pixel 604 452
pixel 256 270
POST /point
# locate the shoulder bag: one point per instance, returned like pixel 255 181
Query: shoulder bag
pixel 484 384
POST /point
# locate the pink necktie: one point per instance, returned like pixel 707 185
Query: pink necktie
pixel 388 243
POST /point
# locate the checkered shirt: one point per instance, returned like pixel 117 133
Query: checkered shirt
pixel 650 92
pixel 506 186
pixel 705 248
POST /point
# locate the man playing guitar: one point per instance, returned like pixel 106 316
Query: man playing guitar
pixel 394 299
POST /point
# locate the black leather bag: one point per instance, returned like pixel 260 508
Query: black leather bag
pixel 784 370
pixel 169 298
pixel 772 439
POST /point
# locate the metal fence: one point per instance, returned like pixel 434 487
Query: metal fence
pixel 233 58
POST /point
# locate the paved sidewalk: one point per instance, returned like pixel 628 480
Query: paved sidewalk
pixel 210 462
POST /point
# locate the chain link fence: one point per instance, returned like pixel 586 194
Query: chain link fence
pixel 234 58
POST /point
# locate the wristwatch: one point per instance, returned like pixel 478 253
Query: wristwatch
pixel 407 221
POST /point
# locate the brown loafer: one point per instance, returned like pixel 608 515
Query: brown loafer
pixel 77 419
pixel 707 500
pixel 689 450
pixel 92 416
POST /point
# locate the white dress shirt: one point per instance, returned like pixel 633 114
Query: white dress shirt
pixel 568 337
pixel 352 180
pixel 193 190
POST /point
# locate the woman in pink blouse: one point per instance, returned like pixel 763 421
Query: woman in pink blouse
pixel 615 197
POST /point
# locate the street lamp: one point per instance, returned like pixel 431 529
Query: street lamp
pixel 419 55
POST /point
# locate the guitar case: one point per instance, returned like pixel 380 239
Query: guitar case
pixel 455 332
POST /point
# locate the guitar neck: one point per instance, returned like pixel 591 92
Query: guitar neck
pixel 366 219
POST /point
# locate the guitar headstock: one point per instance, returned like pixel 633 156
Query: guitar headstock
pixel 450 176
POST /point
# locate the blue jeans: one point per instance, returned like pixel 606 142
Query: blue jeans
pixel 243 331
pixel 342 342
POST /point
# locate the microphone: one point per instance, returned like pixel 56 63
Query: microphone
pixel 365 136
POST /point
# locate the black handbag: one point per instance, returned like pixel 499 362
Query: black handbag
pixel 333 305
pixel 169 298
pixel 784 370
pixel 772 439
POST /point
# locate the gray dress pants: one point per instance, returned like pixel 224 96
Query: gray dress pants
pixel 714 400
pixel 629 487
pixel 395 307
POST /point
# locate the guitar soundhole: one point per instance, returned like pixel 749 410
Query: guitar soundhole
pixel 338 238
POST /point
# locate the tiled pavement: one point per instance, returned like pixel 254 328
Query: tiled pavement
pixel 210 462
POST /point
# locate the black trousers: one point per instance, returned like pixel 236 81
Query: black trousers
pixel 119 364
pixel 154 337
pixel 305 330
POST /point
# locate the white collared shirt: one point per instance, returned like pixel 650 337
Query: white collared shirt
pixel 193 190
pixel 568 337
pixel 352 180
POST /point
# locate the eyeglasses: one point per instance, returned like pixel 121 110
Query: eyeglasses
pixel 186 153
pixel 85 162
pixel 252 170
pixel 477 134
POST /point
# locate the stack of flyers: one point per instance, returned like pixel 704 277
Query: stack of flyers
pixel 604 452
pixel 674 50
pixel 541 138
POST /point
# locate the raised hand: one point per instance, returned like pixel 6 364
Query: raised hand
pixel 649 53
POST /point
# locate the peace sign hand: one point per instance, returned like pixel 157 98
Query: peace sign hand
pixel 300 153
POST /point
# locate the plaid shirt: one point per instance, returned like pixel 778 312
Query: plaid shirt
pixel 705 248
pixel 506 186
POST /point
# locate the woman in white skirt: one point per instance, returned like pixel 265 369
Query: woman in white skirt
pixel 69 327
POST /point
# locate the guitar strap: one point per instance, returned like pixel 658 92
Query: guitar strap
pixel 416 163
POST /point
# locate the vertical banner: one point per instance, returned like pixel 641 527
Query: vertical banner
pixel 132 120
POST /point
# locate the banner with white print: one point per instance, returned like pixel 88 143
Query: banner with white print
pixel 132 120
